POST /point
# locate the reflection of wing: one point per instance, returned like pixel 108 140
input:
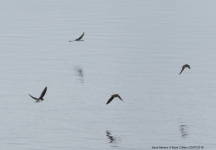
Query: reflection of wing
pixel 181 70
pixel 109 100
pixel 33 97
pixel 108 133
pixel 80 36
pixel 43 93
pixel 119 97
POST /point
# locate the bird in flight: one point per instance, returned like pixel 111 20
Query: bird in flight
pixel 112 97
pixel 79 39
pixel 41 96
pixel 183 67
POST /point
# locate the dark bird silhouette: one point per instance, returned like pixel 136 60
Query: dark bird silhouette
pixel 79 39
pixel 41 96
pixel 183 67
pixel 112 97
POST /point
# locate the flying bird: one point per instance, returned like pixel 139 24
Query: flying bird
pixel 112 97
pixel 183 67
pixel 79 39
pixel 41 96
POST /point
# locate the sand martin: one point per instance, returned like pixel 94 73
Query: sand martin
pixel 112 97
pixel 183 67
pixel 41 96
pixel 79 39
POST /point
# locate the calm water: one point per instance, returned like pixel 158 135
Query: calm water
pixel 135 49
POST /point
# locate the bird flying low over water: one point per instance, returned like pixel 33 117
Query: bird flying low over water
pixel 112 97
pixel 41 96
pixel 183 67
pixel 79 39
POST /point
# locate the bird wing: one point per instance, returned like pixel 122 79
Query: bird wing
pixel 182 70
pixel 109 100
pixel 80 36
pixel 119 97
pixel 33 97
pixel 43 93
pixel 188 66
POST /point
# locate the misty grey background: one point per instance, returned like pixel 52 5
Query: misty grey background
pixel 133 48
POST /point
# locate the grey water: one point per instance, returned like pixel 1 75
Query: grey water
pixel 132 48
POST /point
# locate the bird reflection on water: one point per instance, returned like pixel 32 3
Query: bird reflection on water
pixel 184 130
pixel 80 73
pixel 112 139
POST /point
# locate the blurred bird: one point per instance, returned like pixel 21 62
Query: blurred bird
pixel 112 97
pixel 183 67
pixel 41 96
pixel 79 39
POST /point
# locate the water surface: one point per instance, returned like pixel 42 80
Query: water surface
pixel 134 49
